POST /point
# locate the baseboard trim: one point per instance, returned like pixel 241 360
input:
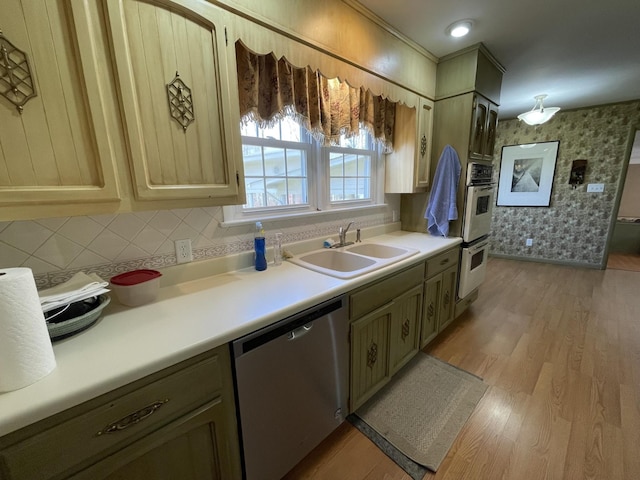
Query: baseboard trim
pixel 595 266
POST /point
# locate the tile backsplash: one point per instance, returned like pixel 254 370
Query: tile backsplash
pixel 56 248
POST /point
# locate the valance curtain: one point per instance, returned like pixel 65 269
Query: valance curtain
pixel 271 88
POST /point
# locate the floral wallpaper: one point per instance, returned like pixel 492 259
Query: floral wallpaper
pixel 574 228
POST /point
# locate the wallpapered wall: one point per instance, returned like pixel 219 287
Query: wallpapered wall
pixel 574 228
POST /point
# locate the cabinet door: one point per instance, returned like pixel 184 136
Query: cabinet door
pixel 195 447
pixel 404 336
pixel 172 73
pixel 490 137
pixel 424 143
pixel 56 148
pixel 448 298
pixel 369 354
pixel 479 117
pixel 431 309
pixel 408 167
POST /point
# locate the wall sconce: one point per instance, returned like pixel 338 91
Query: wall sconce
pixel 539 114
pixel 578 171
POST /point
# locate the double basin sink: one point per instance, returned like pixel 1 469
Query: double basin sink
pixel 354 260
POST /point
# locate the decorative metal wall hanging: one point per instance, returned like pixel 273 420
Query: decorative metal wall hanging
pixel 16 82
pixel 180 102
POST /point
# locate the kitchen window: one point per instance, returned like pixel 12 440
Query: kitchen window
pixel 290 173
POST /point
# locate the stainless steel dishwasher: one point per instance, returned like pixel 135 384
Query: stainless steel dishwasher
pixel 292 381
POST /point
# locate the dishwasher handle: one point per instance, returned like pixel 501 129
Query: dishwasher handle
pixel 299 332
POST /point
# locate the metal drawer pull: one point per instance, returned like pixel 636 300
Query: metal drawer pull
pixel 132 418
pixel 445 261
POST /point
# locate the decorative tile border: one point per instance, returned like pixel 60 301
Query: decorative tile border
pixel 228 245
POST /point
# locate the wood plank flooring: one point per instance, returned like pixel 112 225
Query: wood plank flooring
pixel 624 261
pixel 560 349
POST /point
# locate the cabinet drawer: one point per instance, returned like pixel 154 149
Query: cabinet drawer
pixel 109 426
pixel 442 261
pixel 376 295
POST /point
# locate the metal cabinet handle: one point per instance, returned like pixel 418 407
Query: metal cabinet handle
pixel 446 298
pixel 133 418
pixel 431 310
pixel 372 354
pixel 444 262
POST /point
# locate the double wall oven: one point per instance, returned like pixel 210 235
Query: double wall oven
pixel 476 225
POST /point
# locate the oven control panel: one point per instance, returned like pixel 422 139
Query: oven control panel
pixel 479 173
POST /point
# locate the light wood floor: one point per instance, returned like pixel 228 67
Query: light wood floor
pixel 560 350
pixel 624 261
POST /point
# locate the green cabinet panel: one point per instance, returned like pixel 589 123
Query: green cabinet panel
pixel 369 354
pixel 431 310
pixel 405 328
pixel 448 299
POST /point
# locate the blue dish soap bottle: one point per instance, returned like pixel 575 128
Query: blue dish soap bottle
pixel 259 245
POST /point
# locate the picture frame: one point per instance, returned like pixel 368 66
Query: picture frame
pixel 526 174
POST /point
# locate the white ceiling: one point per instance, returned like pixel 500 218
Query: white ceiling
pixel 579 52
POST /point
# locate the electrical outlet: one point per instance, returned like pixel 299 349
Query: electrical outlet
pixel 395 215
pixel 183 251
pixel 595 187
pixel 529 242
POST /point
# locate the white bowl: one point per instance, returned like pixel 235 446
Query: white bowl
pixel 136 287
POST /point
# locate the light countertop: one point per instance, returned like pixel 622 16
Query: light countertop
pixel 187 319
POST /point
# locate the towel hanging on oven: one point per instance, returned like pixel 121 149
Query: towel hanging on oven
pixel 442 200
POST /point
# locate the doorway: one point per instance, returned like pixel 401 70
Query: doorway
pixel 624 244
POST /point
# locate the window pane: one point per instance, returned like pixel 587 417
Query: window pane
pixel 272 132
pixel 276 192
pixel 274 163
pixel 350 189
pixel 298 194
pixel 255 192
pixel 364 165
pixel 336 164
pixel 252 158
pixel 350 165
pixel 296 163
pixel 336 189
pixel 290 130
pixel 364 188
pixel 248 129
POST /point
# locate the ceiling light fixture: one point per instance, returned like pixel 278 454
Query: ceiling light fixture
pixel 460 28
pixel 539 116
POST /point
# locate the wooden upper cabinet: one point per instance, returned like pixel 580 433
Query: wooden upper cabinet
pixel 483 129
pixel 58 150
pixel 408 166
pixel 171 67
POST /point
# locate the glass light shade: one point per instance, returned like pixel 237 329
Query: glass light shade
pixel 539 114
pixel 459 29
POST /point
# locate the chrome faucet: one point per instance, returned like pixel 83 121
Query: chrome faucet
pixel 342 236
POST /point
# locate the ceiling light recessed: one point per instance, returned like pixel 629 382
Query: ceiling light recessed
pixel 460 28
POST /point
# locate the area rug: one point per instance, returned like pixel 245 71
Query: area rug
pixel 421 411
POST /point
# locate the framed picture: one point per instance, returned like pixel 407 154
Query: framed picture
pixel 526 174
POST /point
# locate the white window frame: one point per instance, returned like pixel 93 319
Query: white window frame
pixel 318 176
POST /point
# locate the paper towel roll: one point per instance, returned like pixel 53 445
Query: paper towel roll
pixel 26 353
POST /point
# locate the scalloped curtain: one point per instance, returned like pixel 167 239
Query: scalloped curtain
pixel 271 88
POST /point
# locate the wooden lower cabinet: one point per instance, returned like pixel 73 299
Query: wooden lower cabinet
pixel 448 299
pixel 439 294
pixel 193 447
pixel 179 423
pixel 385 323
pixel 405 329
pixel 369 354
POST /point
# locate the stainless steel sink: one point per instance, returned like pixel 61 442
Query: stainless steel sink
pixel 349 262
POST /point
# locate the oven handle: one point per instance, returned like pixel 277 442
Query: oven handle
pixel 476 248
